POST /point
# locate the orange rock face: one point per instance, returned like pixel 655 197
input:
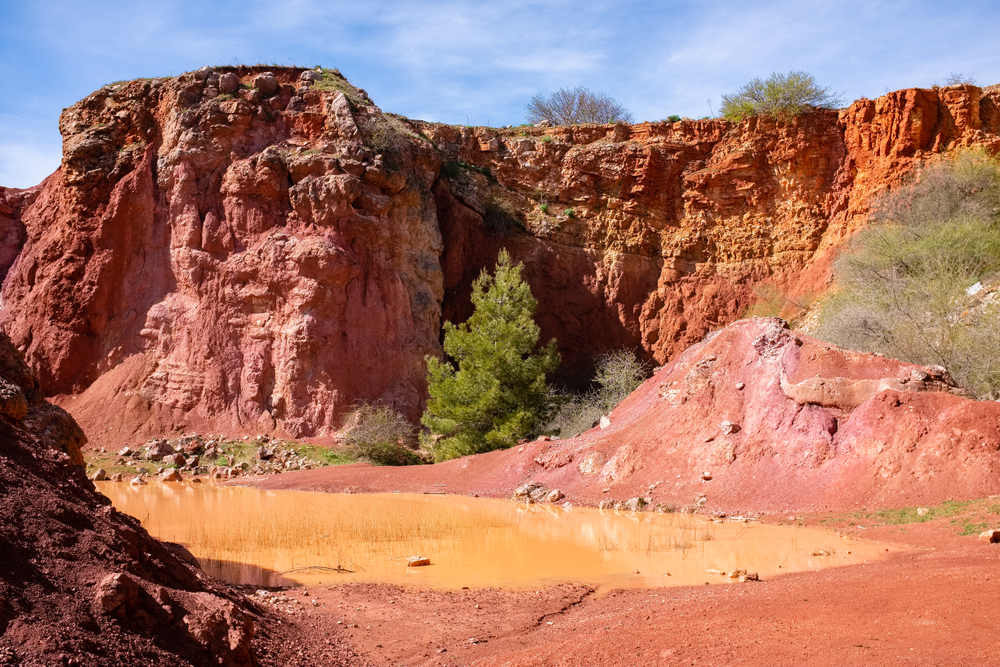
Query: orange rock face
pixel 243 252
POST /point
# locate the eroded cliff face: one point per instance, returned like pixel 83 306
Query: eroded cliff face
pixel 240 250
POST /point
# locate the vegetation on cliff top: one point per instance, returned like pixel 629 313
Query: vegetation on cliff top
pixel 576 106
pixel 498 393
pixel 779 95
pixel 921 283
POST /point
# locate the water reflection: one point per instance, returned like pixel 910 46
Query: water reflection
pixel 312 538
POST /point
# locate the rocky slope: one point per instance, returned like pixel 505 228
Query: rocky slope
pixel 81 584
pixel 245 251
pixel 753 418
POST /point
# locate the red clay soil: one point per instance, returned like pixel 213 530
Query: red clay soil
pixel 933 605
pixel 780 421
pixel 818 426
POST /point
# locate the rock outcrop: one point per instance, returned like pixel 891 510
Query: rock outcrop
pixel 757 416
pixel 242 250
pixel 753 418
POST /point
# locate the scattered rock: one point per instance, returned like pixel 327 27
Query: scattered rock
pixel 101 475
pixel 171 476
pixel 605 421
pixel 417 561
pixel 311 75
pixel 554 496
pixel 740 385
pixel 530 491
pixel 126 452
pixel 991 536
pixel 137 481
pixel 117 477
pixel 158 450
pixel 706 476
pixel 923 511
pixel 635 504
pixel 728 427
pixel 175 459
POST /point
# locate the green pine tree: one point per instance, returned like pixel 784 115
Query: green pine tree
pixel 498 393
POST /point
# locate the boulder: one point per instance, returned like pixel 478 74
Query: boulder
pixel 176 459
pixel 554 496
pixel 12 400
pixel 158 449
pixel 417 561
pixel 171 476
pixel 101 475
pixel 266 83
pixel 137 481
pixel 311 75
pixel 229 83
pixel 117 594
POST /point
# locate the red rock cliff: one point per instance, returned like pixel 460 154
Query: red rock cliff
pixel 260 250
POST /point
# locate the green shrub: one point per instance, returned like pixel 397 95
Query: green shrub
pixel 492 391
pixel 333 81
pixel 779 95
pixel 902 286
pixel 544 208
pixel 570 213
pixel 618 374
pixel 673 118
pixel 379 434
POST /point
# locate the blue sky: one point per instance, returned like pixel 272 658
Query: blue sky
pixel 480 62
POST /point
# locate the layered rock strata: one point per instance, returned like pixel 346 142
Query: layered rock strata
pixel 244 250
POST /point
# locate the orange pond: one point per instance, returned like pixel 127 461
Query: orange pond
pixel 292 537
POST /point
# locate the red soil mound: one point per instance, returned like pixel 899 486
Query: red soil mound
pixel 81 584
pixel 777 420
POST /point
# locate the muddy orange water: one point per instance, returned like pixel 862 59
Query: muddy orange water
pixel 259 537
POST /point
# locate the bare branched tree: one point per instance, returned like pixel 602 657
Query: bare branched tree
pixel 956 78
pixel 575 106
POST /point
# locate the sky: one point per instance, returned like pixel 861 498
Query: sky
pixel 479 62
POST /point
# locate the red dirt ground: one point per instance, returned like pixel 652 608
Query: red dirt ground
pixel 933 605
pixel 854 432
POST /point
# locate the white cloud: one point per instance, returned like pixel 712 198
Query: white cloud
pixel 23 165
